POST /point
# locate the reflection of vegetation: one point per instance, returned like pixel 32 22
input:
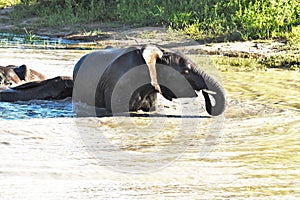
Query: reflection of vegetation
pixel 30 37
pixel 284 61
pixel 238 64
pixel 243 19
pixel 274 87
pixel 289 61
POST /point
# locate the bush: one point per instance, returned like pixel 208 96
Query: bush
pixel 247 19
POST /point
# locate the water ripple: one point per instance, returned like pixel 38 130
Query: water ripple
pixel 36 109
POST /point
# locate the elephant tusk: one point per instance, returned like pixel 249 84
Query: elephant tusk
pixel 150 54
pixel 209 91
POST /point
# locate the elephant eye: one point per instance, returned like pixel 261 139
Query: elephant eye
pixel 186 71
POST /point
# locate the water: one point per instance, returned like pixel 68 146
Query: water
pixel 51 62
pixel 31 40
pixel 36 109
pixel 253 154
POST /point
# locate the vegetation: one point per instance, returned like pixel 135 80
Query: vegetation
pixel 6 3
pixel 229 19
pixel 216 20
pixel 240 64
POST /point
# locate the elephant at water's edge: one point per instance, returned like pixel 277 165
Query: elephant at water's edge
pixel 98 75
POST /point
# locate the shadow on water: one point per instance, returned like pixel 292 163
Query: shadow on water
pixel 155 115
pixel 36 109
pixel 63 108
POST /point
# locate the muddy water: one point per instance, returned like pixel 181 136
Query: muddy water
pixel 252 152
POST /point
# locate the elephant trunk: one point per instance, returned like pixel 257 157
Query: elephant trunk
pixel 213 92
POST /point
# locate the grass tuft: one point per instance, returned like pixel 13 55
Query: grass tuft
pixel 228 19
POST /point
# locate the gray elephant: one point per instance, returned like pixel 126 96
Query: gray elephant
pixel 56 88
pixel 122 80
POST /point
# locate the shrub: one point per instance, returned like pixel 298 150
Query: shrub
pixel 247 19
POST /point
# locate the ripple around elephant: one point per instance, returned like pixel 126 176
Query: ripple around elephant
pixel 122 80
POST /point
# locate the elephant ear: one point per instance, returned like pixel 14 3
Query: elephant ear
pixel 22 72
pixel 150 54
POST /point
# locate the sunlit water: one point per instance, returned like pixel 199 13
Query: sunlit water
pixel 254 154
pixel 50 62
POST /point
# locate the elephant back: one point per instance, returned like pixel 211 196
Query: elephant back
pixel 90 69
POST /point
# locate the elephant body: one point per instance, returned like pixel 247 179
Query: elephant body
pixel 118 80
pixel 56 88
pixel 122 80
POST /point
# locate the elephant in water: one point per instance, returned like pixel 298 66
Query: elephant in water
pixel 15 75
pixel 56 88
pixel 122 80
pixel 23 84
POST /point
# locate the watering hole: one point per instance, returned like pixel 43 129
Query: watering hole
pixel 46 153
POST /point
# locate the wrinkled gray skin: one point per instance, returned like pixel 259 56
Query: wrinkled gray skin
pixel 56 88
pixel 198 79
pixel 143 97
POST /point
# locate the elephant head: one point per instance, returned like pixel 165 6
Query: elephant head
pixel 214 95
pixel 12 74
pixel 26 74
pixel 8 76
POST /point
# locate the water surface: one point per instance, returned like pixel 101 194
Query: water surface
pixel 253 154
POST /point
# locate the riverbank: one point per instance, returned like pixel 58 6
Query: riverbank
pixel 257 55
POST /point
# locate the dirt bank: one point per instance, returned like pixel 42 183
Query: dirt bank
pixel 115 34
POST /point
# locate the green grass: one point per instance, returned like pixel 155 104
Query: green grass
pixel 227 19
pixel 208 20
pixel 288 61
pixel 7 3
pixel 238 64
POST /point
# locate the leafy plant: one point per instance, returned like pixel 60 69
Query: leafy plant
pixel 30 37
pixel 251 19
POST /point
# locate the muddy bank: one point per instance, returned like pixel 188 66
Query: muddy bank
pixel 97 35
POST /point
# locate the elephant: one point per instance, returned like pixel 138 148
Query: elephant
pixel 56 88
pixel 14 75
pixel 128 79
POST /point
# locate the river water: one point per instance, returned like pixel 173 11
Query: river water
pixel 251 152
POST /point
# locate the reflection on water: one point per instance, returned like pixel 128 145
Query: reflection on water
pixel 49 62
pixel 36 109
pixel 255 157
pixel 11 40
